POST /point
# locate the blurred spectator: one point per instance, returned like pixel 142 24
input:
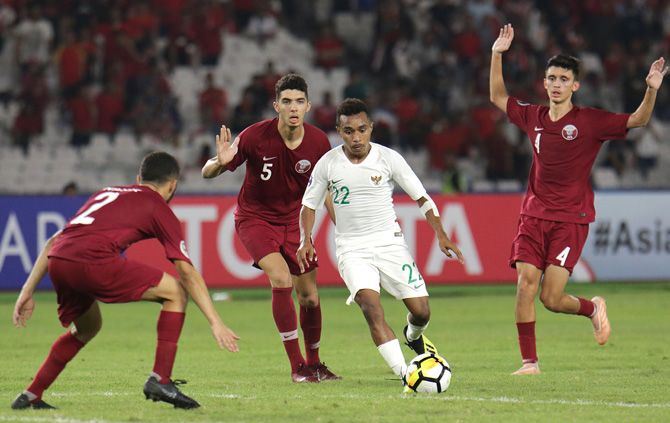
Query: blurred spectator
pixel 8 65
pixel 33 100
pixel 109 104
pixel 444 141
pixel 213 105
pixel 207 24
pixel 70 189
pixel 324 113
pixel 647 139
pixel 263 25
pixel 328 47
pixel 244 114
pixel 83 116
pixel 71 58
pixel 407 108
pixel 204 155
pixel 33 36
pixel 269 79
pixel 453 180
pixel 357 87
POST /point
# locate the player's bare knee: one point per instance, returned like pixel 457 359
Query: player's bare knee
pixel 421 317
pixel 177 295
pixel 308 300
pixel 526 285
pixel 280 278
pixel 86 332
pixel 551 303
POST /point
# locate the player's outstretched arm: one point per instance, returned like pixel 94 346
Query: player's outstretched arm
pixel 225 151
pixel 497 90
pixel 23 309
pixel 194 284
pixel 448 247
pixel 306 252
pixel 641 116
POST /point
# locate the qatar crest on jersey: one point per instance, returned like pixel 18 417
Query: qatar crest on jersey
pixel 303 166
pixel 182 247
pixel 376 179
pixel 569 132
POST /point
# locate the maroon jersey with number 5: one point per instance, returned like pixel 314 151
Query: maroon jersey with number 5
pixel 276 177
pixel 116 217
pixel 564 151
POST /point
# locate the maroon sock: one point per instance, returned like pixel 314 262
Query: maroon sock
pixel 62 351
pixel 527 341
pixel 310 323
pixel 283 311
pixel 586 307
pixel 168 328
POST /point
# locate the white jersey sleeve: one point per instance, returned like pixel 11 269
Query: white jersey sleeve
pixel 404 176
pixel 317 186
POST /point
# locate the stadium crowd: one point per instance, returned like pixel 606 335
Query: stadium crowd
pixel 108 67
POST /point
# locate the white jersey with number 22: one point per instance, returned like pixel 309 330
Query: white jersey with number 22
pixel 362 193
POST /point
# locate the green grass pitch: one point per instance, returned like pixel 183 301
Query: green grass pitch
pixel 473 327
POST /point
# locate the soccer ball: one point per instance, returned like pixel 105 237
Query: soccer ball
pixel 427 373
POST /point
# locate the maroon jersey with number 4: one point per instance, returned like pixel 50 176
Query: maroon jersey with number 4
pixel 563 154
pixel 276 177
pixel 116 217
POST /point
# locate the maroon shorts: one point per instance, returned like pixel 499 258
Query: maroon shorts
pixel 543 242
pixel 261 238
pixel 79 284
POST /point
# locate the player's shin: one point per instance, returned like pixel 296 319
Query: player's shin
pixel 414 331
pixel 393 356
pixel 62 351
pixel 168 329
pixel 283 311
pixel 310 323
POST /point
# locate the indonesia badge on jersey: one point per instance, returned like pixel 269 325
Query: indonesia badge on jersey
pixel 376 180
pixel 303 166
pixel 569 132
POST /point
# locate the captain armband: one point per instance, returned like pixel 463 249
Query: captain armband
pixel 429 205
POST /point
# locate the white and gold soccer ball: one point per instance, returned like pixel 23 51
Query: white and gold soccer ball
pixel 427 373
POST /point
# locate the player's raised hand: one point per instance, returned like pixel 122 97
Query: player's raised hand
pixel 504 39
pixel 225 337
pixel 450 249
pixel 656 73
pixel 225 149
pixel 306 254
pixel 23 309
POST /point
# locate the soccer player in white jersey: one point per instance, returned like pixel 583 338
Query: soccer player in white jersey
pixel 370 246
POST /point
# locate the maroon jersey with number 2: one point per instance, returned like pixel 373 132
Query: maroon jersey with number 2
pixel 85 261
pixel 563 154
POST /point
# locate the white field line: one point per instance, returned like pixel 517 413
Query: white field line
pixel 48 418
pixel 447 397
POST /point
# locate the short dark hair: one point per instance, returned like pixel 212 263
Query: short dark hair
pixel 565 61
pixel 350 107
pixel 159 167
pixel 291 81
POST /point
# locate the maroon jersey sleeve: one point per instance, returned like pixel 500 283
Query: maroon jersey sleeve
pixel 519 112
pixel 242 151
pixel 607 125
pixel 168 232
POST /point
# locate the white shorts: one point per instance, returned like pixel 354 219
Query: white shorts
pixel 390 266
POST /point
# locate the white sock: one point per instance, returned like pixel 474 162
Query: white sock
pixel 393 355
pixel 414 331
pixel 30 395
